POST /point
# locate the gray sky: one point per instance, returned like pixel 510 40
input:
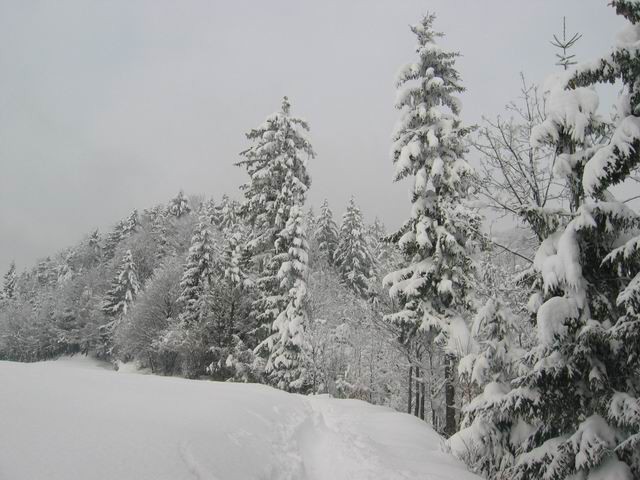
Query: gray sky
pixel 107 106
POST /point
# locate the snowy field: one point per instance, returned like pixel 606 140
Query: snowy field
pixel 77 419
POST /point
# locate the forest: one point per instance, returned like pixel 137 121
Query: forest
pixel 520 346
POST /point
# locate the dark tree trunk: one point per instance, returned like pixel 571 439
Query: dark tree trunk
pixel 422 395
pixel 410 395
pixel 449 397
pixel 416 407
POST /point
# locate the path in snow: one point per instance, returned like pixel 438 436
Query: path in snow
pixel 73 419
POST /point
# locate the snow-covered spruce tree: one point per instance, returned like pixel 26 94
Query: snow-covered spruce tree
pixel 277 165
pixel 287 345
pixel 179 206
pixel 434 289
pixel 234 260
pixel 580 395
pixel 484 441
pixel 225 214
pixel 95 248
pixel 9 283
pixel 159 233
pixel 113 240
pixel 131 224
pixel 116 303
pixel 198 271
pixel 352 255
pixel 326 233
pixel 124 288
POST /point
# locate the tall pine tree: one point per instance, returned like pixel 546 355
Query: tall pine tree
pixel 352 255
pixel 277 165
pixel 288 346
pixel 179 205
pixel 434 289
pixel 326 233
pixel 124 288
pixel 198 271
pixel 9 283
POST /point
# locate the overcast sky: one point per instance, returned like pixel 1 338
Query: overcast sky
pixel 107 106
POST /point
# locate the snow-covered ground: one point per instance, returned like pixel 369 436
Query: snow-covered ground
pixel 76 419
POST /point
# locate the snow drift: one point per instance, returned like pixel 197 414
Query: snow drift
pixel 72 419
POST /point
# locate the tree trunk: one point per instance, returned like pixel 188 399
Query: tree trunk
pixel 422 395
pixel 449 397
pixel 410 395
pixel 416 407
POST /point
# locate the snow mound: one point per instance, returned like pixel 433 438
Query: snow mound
pixel 76 419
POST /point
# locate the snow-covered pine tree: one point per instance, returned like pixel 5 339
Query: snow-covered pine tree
pixel 131 224
pixel 198 271
pixel 277 165
pixel 287 346
pixel 179 206
pixel 326 233
pixel 225 214
pixel 234 260
pixel 9 283
pixel 485 439
pixel 94 245
pixel 581 394
pixel 113 239
pixel 434 289
pixel 352 255
pixel 44 272
pixel 124 288
pixel 159 233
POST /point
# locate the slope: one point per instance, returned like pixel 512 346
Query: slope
pixel 76 419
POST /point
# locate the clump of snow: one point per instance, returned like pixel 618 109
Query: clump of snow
pixel 75 419
pixel 570 111
pixel 459 340
pixel 553 316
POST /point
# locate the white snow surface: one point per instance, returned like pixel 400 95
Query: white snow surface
pixel 76 419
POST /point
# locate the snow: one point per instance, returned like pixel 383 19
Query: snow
pixel 603 162
pixel 74 418
pixel 553 317
pixel 568 110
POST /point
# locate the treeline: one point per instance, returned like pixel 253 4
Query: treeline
pixel 174 288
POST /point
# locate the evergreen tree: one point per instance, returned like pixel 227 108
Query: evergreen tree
pixel 113 239
pixel 234 260
pixel 225 214
pixel 326 233
pixel 352 255
pixel 434 289
pixel 485 440
pixel 124 288
pixel 198 272
pixel 580 393
pixel 131 224
pixel 9 284
pixel 160 235
pixel 179 206
pixel 94 245
pixel 44 272
pixel 277 165
pixel 287 345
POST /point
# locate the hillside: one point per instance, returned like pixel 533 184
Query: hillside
pixel 75 418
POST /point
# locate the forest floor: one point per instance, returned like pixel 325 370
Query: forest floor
pixel 76 418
